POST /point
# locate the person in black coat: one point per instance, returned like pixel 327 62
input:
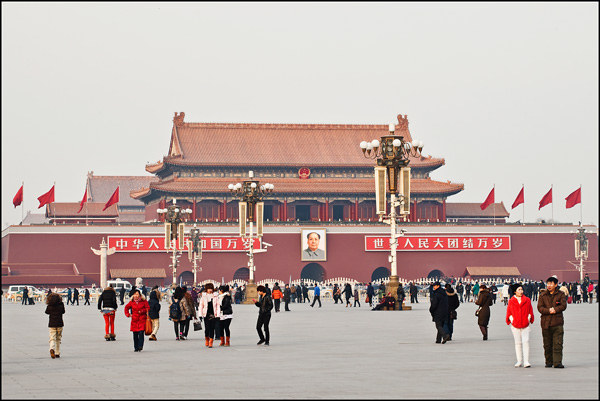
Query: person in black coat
pixel 401 295
pixel 122 295
pixel 370 293
pixel 107 304
pixel 87 297
pixel 154 303
pixel 55 310
pixel 413 293
pixel 75 296
pixel 453 304
pixel 287 296
pixel 265 305
pixel 348 294
pixel 439 312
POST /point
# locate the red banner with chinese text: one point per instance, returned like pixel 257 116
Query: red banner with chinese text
pixel 441 243
pixel 157 244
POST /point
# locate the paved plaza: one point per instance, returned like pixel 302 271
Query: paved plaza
pixel 329 352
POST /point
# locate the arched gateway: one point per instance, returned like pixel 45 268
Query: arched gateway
pixel 379 273
pixel 313 271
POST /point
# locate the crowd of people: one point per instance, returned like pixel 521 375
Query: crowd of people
pixel 214 307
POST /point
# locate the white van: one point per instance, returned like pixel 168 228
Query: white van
pixel 118 284
pixel 16 291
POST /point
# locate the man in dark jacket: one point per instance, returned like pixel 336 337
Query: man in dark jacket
pixel 265 304
pixel 460 289
pixel 370 293
pixel 439 312
pixel 453 304
pixel 122 295
pixel 400 295
pixel 413 293
pixel 75 296
pixel 551 304
pixel 87 297
pixel 287 296
pixel 305 293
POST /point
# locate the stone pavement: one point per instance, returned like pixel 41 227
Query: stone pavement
pixel 329 352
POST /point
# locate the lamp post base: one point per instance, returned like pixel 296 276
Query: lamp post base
pixel 251 292
pixel 392 287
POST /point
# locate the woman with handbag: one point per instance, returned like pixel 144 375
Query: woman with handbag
pixel 187 311
pixel 137 309
pixel 226 315
pixel 210 309
pixel 484 300
pixel 518 315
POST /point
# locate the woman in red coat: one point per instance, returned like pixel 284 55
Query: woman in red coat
pixel 137 309
pixel 519 314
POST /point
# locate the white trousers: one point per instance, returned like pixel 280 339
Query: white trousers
pixel 521 344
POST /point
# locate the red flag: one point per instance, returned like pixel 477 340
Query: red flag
pixel 574 198
pixel 84 200
pixel 546 199
pixel 488 201
pixel 18 199
pixel 113 199
pixel 520 198
pixel 48 197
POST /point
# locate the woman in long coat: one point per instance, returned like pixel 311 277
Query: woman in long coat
pixel 484 301
pixel 137 309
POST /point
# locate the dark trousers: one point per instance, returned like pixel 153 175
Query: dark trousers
pixel 87 301
pixel 224 328
pixel 25 300
pixel 209 327
pixel 356 301
pixel 460 298
pixel 553 344
pixel 306 298
pixel 177 329
pixel 348 301
pixel 277 304
pixel 185 326
pixel 449 327
pixel 413 299
pixel 440 331
pixel 138 339
pixel 263 321
pixel 315 299
pixel 287 304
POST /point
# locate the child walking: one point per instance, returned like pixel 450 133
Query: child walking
pixel 55 310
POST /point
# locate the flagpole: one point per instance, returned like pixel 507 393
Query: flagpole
pixel 494 203
pixel 119 196
pixel 54 208
pixel 523 189
pixel 580 209
pixel 552 189
pixel 22 197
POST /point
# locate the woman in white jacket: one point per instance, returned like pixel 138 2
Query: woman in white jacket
pixel 505 294
pixel 210 309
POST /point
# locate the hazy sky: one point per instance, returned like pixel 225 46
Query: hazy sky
pixel 507 93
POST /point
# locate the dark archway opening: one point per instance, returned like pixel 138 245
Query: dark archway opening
pixel 379 273
pixel 435 273
pixel 243 273
pixel 313 271
pixel 186 278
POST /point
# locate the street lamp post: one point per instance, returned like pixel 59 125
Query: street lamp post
pixel 251 207
pixel 581 250
pixel 392 155
pixel 195 249
pixel 174 232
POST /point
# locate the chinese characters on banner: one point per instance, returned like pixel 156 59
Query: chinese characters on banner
pixel 157 244
pixel 440 243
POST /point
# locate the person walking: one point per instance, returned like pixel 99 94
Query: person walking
pixel 348 294
pixel 107 304
pixel 277 295
pixel 55 309
pixel 413 290
pixel 468 289
pixel 87 297
pixel 264 304
pixel 238 295
pixel 153 313
pixel 122 295
pixel 137 308
pixel 188 312
pixel 370 294
pixel 75 296
pixel 299 296
pixel 439 312
pixel 287 296
pixel 519 314
pixel 476 289
pixel 460 289
pixel 293 293
pixel 505 294
pixel 356 297
pixel 484 300
pixel 210 309
pixel 551 305
pixel 453 304
pixel 195 298
pixel 305 293
pixel 175 312
pixel 316 296
pixel 69 295
pixel 226 315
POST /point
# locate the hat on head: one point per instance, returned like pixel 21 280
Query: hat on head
pixel 436 283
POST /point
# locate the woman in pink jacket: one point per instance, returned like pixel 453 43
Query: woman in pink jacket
pixel 519 315
pixel 137 309
pixel 210 309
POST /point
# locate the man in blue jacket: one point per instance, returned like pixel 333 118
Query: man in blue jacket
pixel 316 296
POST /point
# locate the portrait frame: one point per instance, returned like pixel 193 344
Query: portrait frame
pixel 320 254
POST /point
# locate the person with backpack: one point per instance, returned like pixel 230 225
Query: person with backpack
pixel 175 311
pixel 210 309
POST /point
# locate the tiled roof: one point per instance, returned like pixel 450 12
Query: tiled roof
pixel 101 188
pixel 303 145
pixel 144 273
pixel 493 271
pixel 70 210
pixel 474 210
pixel 337 186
